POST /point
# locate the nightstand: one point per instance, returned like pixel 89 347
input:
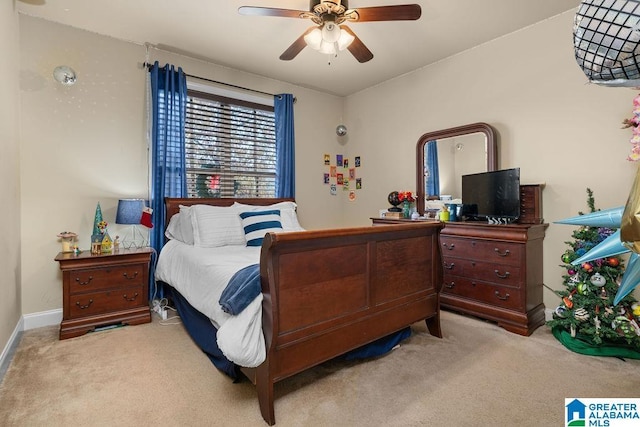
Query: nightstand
pixel 102 290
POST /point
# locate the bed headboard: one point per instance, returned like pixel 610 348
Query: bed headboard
pixel 172 205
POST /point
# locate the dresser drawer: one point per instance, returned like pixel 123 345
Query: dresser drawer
pixel 485 250
pixel 88 280
pixel 500 274
pixel 88 304
pixel 496 295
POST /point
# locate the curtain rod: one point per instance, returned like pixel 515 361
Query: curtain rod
pixel 148 67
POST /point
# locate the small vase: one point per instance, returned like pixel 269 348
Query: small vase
pixel 406 209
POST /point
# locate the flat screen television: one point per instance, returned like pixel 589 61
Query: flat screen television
pixel 492 196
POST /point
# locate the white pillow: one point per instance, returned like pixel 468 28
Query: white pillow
pixel 288 213
pixel 258 223
pixel 180 227
pixel 215 226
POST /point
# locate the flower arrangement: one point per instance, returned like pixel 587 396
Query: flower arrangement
pixel 406 196
pixel 102 226
pixel 634 123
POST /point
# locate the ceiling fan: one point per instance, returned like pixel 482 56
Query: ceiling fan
pixel 330 35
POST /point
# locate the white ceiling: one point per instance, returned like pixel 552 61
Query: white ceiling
pixel 213 30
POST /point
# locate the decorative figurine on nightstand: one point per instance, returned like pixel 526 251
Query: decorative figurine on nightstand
pixel 96 235
pixel 116 244
pixel 67 238
pixel 106 244
pixel 96 244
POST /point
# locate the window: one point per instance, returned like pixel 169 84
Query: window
pixel 230 147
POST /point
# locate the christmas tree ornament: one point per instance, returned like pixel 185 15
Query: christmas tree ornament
pixel 571 272
pixel 582 288
pixel 566 258
pixel 624 327
pixel 587 267
pixel 613 262
pixel 581 314
pixel 561 311
pixel 598 280
pixel 603 294
pixel 568 302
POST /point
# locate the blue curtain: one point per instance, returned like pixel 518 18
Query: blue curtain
pixel 168 179
pixel 285 146
pixel 432 174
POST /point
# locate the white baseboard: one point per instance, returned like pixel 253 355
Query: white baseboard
pixel 41 319
pixel 10 348
pixel 26 322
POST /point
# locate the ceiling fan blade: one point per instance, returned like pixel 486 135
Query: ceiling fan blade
pixel 404 12
pixel 296 47
pixel 357 48
pixel 270 11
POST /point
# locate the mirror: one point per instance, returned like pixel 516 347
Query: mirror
pixel 461 150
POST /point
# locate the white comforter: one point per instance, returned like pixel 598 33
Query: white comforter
pixel 200 275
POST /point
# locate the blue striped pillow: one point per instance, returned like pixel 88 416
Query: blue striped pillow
pixel 258 223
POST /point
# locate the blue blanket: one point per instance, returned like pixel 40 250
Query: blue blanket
pixel 243 288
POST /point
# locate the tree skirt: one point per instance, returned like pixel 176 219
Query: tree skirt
pixel 583 345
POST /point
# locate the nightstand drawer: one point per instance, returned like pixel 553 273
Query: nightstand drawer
pixel 496 295
pixel 485 250
pixel 88 280
pixel 88 304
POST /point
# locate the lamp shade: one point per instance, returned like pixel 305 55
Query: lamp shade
pixel 129 211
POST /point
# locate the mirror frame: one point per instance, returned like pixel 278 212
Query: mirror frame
pixel 491 145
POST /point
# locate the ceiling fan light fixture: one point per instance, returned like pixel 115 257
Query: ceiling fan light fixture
pixel 330 32
pixel 327 48
pixel 314 39
pixel 345 40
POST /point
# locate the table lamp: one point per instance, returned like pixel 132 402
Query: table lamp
pixel 129 212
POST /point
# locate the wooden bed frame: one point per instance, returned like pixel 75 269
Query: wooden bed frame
pixel 328 292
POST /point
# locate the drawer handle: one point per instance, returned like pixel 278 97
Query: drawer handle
pixel 449 285
pixel 84 283
pixel 502 276
pixel 449 266
pixel 504 298
pixel 133 298
pixel 505 253
pixel 126 276
pixel 449 247
pixel 82 307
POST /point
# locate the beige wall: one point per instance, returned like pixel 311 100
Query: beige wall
pixel 9 173
pixel 555 127
pixel 86 143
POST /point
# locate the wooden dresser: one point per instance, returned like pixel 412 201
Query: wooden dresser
pixel 494 272
pixel 101 290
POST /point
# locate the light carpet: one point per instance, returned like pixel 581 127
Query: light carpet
pixel 477 375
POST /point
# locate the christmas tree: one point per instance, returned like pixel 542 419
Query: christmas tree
pixel 587 315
